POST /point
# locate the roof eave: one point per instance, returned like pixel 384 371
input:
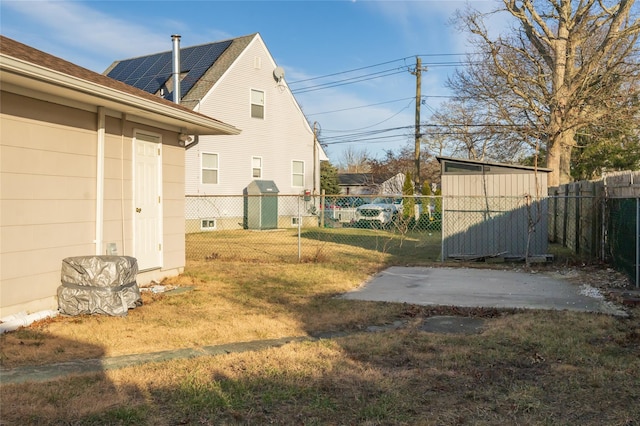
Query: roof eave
pixel 490 163
pixel 87 91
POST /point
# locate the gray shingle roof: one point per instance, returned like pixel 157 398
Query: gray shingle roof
pixel 353 179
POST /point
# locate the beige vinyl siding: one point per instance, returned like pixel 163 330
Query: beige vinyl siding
pixel 48 197
pixel 173 208
pixel 281 136
pixel 118 187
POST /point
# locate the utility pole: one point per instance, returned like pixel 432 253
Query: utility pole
pixel 418 73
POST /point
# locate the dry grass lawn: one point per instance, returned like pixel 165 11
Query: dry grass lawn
pixel 524 368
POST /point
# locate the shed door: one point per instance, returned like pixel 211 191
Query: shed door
pixel 148 207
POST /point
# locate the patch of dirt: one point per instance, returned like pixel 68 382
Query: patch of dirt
pixel 597 277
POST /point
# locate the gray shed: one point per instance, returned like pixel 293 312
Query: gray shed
pixel 261 205
pixel 491 209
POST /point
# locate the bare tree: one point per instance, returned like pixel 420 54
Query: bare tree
pixel 563 68
pixel 458 132
pixel 354 160
pixel 403 161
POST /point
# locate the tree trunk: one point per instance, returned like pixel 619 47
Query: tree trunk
pixel 559 157
pixel 553 163
pixel 565 157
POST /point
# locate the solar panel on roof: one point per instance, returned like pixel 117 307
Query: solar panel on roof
pixel 124 69
pixel 117 70
pixel 158 64
pixel 155 84
pixel 142 83
pixel 140 70
pixel 191 57
pixel 151 72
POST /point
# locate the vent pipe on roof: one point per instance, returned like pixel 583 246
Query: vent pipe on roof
pixel 176 68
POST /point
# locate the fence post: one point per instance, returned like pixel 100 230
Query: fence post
pixel 577 218
pixel 322 208
pixel 565 218
pixel 638 242
pixel 299 228
pixel 555 216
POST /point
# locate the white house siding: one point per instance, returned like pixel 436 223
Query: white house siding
pixel 282 136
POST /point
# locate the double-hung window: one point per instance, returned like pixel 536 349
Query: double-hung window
pixel 297 173
pixel 257 103
pixel 209 168
pixel 256 167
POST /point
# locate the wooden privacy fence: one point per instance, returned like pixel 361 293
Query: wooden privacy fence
pixel 599 219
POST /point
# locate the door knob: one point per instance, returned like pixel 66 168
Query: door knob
pixel 138 209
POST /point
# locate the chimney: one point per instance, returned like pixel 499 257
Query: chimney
pixel 176 68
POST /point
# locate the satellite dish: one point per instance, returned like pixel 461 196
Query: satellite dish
pixel 278 74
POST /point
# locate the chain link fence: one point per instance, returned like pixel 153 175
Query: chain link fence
pixel 294 228
pixel 598 220
pixel 575 222
pixel 482 227
pixel 413 228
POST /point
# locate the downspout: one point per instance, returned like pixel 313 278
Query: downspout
pixel 100 181
pixel 176 68
pixel 123 120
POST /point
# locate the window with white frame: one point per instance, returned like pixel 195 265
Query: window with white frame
pixel 257 103
pixel 208 224
pixel 256 167
pixel 297 173
pixel 209 168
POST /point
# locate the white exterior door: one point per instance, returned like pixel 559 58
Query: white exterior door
pixel 148 202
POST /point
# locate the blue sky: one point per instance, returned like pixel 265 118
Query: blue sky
pixel 309 39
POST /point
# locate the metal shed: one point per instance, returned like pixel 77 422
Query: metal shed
pixel 491 209
pixel 261 205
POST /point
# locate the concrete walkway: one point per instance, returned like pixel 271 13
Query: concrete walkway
pixel 53 371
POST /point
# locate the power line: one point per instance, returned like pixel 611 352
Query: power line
pixel 346 72
pixel 373 66
pixel 369 76
pixel 352 80
pixel 385 120
pixel 387 102
pixel 374 135
pixel 358 107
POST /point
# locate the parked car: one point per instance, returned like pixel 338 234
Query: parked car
pixel 349 202
pixel 381 212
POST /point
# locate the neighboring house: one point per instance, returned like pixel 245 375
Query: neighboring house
pixel 90 166
pixel 366 184
pixel 356 184
pixel 392 185
pixel 236 80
